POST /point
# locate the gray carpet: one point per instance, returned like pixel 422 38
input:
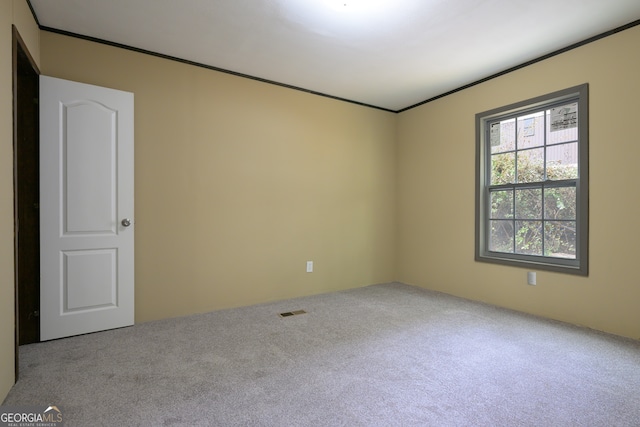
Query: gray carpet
pixel 383 355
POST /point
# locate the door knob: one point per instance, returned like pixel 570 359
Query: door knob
pixel 126 222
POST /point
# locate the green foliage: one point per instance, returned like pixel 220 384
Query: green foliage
pixel 525 217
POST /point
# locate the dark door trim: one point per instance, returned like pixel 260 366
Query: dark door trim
pixel 21 60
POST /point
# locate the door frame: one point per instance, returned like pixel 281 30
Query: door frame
pixel 19 52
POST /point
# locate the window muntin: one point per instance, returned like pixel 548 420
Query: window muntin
pixel 531 194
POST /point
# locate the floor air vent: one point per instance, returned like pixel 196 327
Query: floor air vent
pixel 292 313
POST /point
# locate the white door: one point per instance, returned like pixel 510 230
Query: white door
pixel 86 208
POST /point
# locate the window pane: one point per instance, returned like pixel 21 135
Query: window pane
pixel 560 239
pixel 531 165
pixel 503 168
pixel 562 161
pixel 503 136
pixel 501 237
pixel 529 237
pixel 563 117
pixel 529 203
pixel 502 204
pixel 560 203
pixel 560 135
pixel 531 130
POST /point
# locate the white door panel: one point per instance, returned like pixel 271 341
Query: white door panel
pixel 89 156
pixel 86 190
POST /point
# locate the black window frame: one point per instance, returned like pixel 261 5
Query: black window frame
pixel 579 265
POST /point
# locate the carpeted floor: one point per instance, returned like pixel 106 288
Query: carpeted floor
pixel 382 355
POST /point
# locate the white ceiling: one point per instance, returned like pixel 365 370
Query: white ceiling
pixel 390 54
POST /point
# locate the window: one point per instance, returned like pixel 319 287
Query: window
pixel 532 183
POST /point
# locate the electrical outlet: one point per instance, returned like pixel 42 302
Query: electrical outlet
pixel 309 266
pixel 531 277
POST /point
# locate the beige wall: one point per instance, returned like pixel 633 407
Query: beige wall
pixel 239 183
pixel 436 149
pixel 12 12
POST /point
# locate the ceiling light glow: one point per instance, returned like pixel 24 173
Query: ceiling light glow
pixel 346 19
pixel 355 5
